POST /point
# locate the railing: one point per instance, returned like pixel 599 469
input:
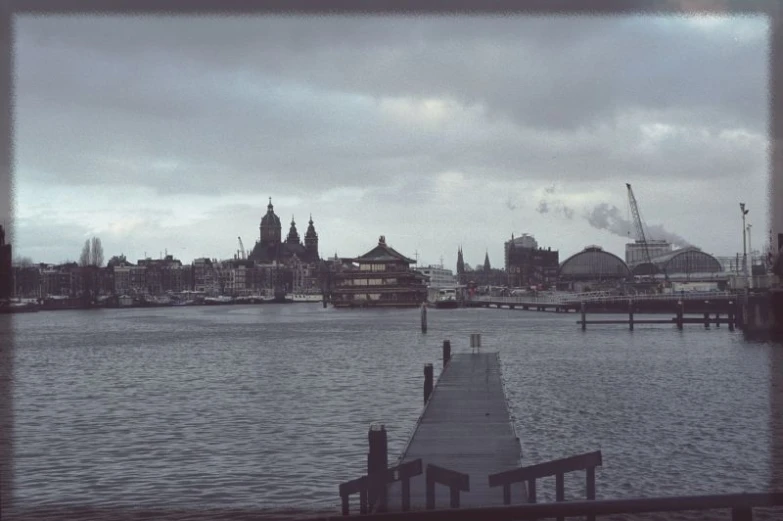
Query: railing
pixel 456 481
pixel 741 506
pixel 557 468
pixel 379 482
pixel 691 295
pixel 576 298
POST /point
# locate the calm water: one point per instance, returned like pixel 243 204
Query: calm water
pixel 268 406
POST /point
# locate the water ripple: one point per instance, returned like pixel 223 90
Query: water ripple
pixel 264 407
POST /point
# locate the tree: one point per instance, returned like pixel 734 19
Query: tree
pixel 92 253
pixel 96 252
pixel 23 262
pixel 84 258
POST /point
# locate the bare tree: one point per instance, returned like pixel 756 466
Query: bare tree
pixel 23 262
pixel 84 258
pixel 96 252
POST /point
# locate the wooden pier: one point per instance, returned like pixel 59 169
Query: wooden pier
pixel 464 451
pixel 465 427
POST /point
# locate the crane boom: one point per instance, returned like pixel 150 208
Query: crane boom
pixel 637 220
pixel 242 249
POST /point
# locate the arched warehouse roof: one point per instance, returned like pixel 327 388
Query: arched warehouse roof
pixel 687 260
pixel 593 263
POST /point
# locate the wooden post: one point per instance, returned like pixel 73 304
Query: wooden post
pixel 377 463
pixel 560 490
pixel 584 315
pixel 680 313
pixel 630 314
pixel 590 492
pixel 430 492
pixel 732 316
pixel 423 318
pixel 706 320
pixel 717 319
pixel 446 352
pixel 531 491
pixel 427 382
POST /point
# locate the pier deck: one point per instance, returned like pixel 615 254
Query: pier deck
pixel 465 427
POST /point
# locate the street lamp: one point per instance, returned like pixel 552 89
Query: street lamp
pixel 750 259
pixel 744 247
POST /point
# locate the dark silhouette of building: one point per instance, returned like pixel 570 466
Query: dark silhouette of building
pixel 5 267
pixel 528 265
pixel 460 267
pixel 271 248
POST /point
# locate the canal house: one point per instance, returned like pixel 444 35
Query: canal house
pixel 382 277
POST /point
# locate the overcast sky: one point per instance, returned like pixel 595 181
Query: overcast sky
pixel 172 133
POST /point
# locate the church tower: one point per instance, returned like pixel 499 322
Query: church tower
pixel 460 266
pixel 311 241
pixel 293 235
pixel 270 227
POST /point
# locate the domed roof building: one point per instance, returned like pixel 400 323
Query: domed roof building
pixel 593 263
pixel 271 248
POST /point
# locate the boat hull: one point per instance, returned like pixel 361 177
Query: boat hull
pixel 446 304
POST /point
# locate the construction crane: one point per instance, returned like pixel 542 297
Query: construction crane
pixel 242 249
pixel 637 220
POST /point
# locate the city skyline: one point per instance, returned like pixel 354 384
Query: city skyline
pixel 170 135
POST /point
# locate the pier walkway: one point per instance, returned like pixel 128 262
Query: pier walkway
pixel 464 451
pixel 465 427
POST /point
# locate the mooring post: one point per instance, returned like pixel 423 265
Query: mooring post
pixel 680 313
pixel 732 316
pixel 706 320
pixel 717 319
pixel 630 314
pixel 377 463
pixel 423 318
pixel 427 382
pixel 446 352
pixel 584 318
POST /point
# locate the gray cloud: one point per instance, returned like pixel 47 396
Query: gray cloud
pixel 303 107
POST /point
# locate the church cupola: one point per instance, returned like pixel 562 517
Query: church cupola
pixel 293 235
pixel 270 226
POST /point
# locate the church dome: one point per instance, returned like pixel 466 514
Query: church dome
pixel 270 219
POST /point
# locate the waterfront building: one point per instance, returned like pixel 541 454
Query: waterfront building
pixel 635 251
pixel 55 281
pixel 593 269
pixel 528 265
pixel 689 262
pixel 438 276
pixel 205 276
pixel 380 277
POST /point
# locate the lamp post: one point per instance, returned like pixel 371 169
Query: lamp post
pixel 744 246
pixel 749 267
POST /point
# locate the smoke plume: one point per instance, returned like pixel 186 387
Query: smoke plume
pixel 609 218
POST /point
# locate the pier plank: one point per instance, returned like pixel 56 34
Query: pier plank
pixel 466 427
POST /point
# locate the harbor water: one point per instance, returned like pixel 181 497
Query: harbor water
pixel 267 407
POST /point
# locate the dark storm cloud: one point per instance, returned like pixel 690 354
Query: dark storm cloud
pixel 290 102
